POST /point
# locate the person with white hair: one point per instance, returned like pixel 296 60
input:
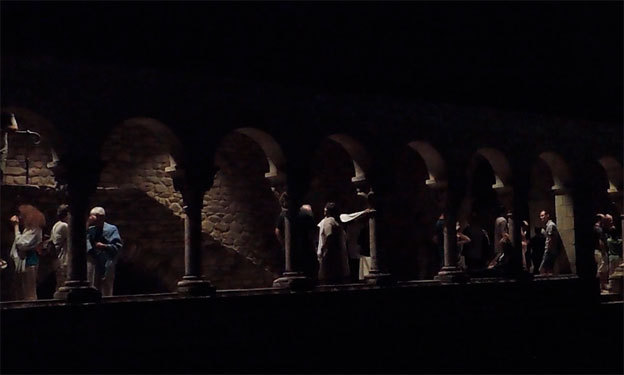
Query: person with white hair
pixel 103 247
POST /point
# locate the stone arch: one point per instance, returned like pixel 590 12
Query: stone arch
pixel 436 167
pixel 361 160
pixel 489 186
pixel 500 166
pixel 559 169
pixel 418 192
pixel 272 150
pixel 550 185
pixel 613 169
pixel 240 211
pixel 136 189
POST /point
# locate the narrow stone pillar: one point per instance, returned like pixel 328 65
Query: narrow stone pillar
pixel 291 278
pixel 375 275
pixel 192 189
pixel 451 272
pixel 564 212
pixel 81 179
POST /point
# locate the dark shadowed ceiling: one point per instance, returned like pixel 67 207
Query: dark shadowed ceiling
pixel 554 58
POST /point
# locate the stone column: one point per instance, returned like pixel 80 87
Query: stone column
pixel 291 278
pixel 376 275
pixel 192 188
pixel 451 272
pixel 564 212
pixel 81 177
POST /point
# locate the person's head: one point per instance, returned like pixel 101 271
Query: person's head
pixel 62 212
pixel 524 225
pixel 608 221
pixel 31 217
pixel 544 216
pixel 306 210
pixel 97 216
pixel 330 210
pixel 599 219
pixel 9 124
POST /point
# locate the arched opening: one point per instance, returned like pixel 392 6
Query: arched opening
pixel 416 200
pixel 550 183
pixel 339 168
pixel 489 195
pixel 613 175
pixel 29 178
pixel 240 212
pixel 138 195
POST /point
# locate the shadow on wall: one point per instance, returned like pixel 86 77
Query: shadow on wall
pixel 152 260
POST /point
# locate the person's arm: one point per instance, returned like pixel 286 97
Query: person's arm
pixel 114 244
pixel 28 240
pixel 462 238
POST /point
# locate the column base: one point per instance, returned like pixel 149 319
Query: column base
pixel 78 292
pixel 378 278
pixel 293 281
pixel 451 275
pixel 195 286
pixel 616 281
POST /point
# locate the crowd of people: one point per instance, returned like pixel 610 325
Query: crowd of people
pixel 103 244
pixel 336 250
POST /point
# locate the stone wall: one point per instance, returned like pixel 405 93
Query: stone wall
pixel 23 154
pixel 238 218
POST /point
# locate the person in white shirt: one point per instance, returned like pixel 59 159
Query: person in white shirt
pixel 58 237
pixel 332 248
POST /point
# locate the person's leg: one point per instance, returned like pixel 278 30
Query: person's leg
pixel 30 283
pixel 108 281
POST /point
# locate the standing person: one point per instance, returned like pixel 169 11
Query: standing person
pixel 279 224
pixel 356 223
pixel 501 235
pixel 600 251
pixel 476 251
pixel 552 245
pixel 103 247
pixel 305 241
pixel 526 255
pixel 438 239
pixel 332 248
pixel 58 237
pixel 25 247
pixel 9 125
pixel 613 244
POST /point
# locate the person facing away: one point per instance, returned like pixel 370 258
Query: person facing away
pixel 332 248
pixel 103 247
pixel 552 244
pixel 438 239
pixel 25 247
pixel 305 239
pixel 356 224
pixel 476 251
pixel 58 237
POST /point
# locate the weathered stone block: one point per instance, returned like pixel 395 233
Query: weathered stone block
pixel 222 227
pixel 15 171
pixel 19 180
pixel 228 218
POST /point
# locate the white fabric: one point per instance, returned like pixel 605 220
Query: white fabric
pixel 327 226
pixel 365 265
pixel 58 236
pixel 25 241
pixel 353 232
pixel 500 228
